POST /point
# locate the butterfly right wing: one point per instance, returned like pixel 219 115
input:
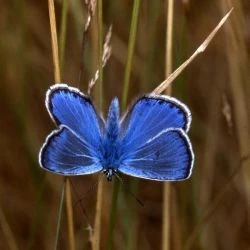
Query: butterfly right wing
pixel 154 143
pixel 64 152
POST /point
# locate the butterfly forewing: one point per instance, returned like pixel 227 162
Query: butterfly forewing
pixel 68 106
pixel 150 115
pixel 74 148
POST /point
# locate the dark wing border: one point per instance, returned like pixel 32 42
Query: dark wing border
pixel 170 99
pixel 64 86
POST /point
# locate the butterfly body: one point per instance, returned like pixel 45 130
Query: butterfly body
pixel 150 141
pixel 111 144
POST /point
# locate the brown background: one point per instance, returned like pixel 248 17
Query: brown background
pixel 216 87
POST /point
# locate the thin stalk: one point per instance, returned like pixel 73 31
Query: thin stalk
pixel 131 46
pixel 63 31
pixel 166 186
pixel 97 227
pixel 165 84
pixel 57 76
pixel 58 226
pixel 132 218
pixel 52 19
pixel 112 216
pixel 68 197
pixel 90 5
pixel 100 52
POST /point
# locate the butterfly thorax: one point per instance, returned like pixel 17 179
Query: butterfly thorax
pixel 110 150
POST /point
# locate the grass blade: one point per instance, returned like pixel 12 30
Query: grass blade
pixel 63 31
pixel 97 227
pixel 52 19
pixel 131 46
pixel 58 226
pixel 57 77
pixel 166 216
pixel 164 85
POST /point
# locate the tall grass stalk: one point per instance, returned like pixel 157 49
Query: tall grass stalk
pixel 168 70
pixel 112 217
pixel 100 51
pixel 98 215
pixel 52 19
pixel 164 85
pixel 59 219
pixel 63 31
pixel 131 46
pixel 69 215
pixel 57 76
pixel 132 227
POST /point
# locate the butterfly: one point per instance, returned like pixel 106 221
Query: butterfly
pixel 150 140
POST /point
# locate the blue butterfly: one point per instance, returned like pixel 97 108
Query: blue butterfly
pixel 148 142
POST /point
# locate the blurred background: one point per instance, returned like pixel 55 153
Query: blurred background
pixel 211 210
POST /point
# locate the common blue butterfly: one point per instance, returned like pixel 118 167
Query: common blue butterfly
pixel 150 141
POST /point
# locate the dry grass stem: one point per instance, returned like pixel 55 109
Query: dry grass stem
pixel 91 8
pixel 70 215
pixel 57 76
pixel 52 18
pixel 164 85
pixel 95 236
pixel 168 69
pixel 105 57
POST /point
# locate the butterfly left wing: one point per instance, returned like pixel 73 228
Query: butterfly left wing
pixel 167 156
pixel 70 107
pixel 64 152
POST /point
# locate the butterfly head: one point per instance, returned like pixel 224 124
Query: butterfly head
pixel 109 172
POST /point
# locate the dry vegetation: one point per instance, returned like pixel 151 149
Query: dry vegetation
pixel 209 211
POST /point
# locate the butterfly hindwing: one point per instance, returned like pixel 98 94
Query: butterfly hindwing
pixel 150 115
pixel 68 106
pixel 64 152
pixel 167 156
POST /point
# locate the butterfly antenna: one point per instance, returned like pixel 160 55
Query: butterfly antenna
pixel 128 190
pixel 82 208
pixel 91 188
